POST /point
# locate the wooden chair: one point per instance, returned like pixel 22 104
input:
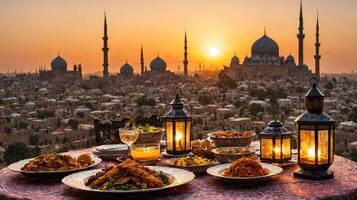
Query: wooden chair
pixel 107 132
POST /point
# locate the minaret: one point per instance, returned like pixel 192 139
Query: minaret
pixel 142 61
pixel 105 48
pixel 317 50
pixel 185 61
pixel 301 37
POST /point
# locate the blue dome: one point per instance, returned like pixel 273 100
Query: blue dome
pixel 58 65
pixel 265 46
pixel 126 69
pixel 290 59
pixel 158 65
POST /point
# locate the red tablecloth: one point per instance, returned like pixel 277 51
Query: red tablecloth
pixel 284 186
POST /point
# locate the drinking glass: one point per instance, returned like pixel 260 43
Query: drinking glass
pixel 128 135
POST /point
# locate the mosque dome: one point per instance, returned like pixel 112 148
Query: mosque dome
pixel 58 65
pixel 290 59
pixel 158 65
pixel 234 60
pixel 265 46
pixel 126 69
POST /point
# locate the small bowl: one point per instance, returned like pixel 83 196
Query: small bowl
pixel 228 158
pixel 145 152
pixel 150 137
pixel 232 141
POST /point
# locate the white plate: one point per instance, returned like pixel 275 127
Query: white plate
pixel 77 180
pixel 112 147
pixel 16 167
pixel 217 171
pixel 197 169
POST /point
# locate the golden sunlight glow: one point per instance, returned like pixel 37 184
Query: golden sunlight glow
pixel 213 52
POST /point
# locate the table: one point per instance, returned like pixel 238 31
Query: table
pixel 284 186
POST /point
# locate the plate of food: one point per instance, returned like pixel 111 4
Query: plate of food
pixel 128 177
pixel 195 164
pixel 230 154
pixel 244 170
pixel 54 165
pixel 232 138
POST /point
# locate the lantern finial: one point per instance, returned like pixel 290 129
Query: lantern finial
pixel 314 99
pixel 314 82
pixel 177 103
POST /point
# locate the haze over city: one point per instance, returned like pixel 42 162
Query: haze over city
pixel 33 32
pixel 178 99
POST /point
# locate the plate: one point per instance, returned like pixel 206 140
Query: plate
pixel 77 180
pixel 112 148
pixel 16 167
pixel 217 171
pixel 228 158
pixel 198 169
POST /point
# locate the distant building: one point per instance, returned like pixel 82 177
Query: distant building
pixel 59 70
pixel 265 63
pixel 126 70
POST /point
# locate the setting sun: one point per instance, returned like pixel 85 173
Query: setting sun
pixel 213 52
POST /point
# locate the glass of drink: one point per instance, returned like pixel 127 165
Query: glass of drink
pixel 128 135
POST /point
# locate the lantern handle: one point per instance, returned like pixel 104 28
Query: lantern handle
pixel 314 82
pixel 177 88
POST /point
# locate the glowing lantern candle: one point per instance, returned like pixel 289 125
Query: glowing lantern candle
pixel 177 128
pixel 316 132
pixel 275 143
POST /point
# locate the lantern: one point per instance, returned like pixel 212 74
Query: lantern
pixel 275 143
pixel 177 128
pixel 316 132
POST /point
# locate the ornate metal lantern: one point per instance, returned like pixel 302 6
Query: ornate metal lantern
pixel 275 143
pixel 177 128
pixel 316 132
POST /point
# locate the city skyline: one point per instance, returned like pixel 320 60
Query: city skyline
pixel 80 40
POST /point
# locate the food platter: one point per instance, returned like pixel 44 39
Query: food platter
pixel 218 170
pixel 17 167
pixel 197 169
pixel 230 154
pixel 78 180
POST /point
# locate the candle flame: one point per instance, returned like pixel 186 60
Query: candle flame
pixel 277 150
pixel 311 153
pixel 178 136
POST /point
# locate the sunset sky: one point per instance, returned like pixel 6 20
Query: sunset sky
pixel 33 31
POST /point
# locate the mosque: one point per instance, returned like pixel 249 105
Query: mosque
pixel 158 65
pixel 59 70
pixel 265 62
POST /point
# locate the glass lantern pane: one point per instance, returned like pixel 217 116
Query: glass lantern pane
pixel 266 148
pixel 277 148
pixel 188 135
pixel 180 136
pixel 323 147
pixel 169 133
pixel 331 145
pixel 307 146
pixel 286 147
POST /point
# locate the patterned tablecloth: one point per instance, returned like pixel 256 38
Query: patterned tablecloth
pixel 284 186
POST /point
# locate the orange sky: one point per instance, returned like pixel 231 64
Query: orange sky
pixel 33 31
